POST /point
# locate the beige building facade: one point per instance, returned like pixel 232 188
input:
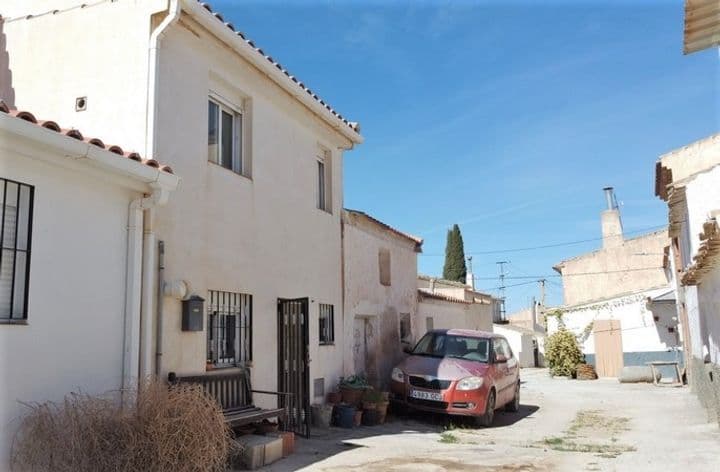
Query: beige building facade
pixel 616 298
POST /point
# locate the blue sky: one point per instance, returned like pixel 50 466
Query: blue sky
pixel 505 117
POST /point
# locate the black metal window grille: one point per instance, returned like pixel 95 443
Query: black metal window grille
pixel 327 324
pixel 229 328
pixel 15 240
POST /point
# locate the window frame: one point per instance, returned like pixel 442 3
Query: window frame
pixel 326 333
pixel 223 304
pixel 9 318
pixel 323 180
pixel 238 154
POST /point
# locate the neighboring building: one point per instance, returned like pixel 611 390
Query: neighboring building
pixel 447 304
pixel 71 227
pixel 380 271
pixel 688 179
pixel 608 299
pixel 526 335
pixel 525 343
pixel 255 229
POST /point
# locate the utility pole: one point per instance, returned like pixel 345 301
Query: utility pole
pixel 542 292
pixel 542 304
pixel 501 264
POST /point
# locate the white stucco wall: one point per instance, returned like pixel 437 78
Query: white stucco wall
pixel 73 340
pixel 702 194
pixel 640 332
pixel 451 315
pixel 263 236
pixel 365 296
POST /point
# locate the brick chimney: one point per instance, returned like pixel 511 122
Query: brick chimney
pixel 612 232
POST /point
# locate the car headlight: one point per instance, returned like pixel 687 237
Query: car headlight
pixel 398 375
pixel 469 383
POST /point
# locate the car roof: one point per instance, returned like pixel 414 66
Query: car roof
pixel 467 332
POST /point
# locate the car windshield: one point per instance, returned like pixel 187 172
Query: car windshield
pixel 458 347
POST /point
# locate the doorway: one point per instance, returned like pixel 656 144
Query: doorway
pixel 293 359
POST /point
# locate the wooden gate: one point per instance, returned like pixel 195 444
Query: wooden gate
pixel 293 359
pixel 608 347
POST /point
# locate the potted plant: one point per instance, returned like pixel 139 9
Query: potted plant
pixel 370 399
pixel 352 388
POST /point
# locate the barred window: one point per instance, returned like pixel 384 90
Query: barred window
pixel 16 208
pixel 327 324
pixel 229 332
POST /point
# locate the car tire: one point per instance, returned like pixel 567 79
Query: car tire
pixel 514 405
pixel 486 419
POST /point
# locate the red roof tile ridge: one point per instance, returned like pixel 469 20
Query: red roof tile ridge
pixel 76 134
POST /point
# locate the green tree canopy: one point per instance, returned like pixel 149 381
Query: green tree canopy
pixel 454 268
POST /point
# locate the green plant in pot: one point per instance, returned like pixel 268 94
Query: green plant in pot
pixel 352 389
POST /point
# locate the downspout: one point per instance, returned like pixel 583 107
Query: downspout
pixel 133 287
pixel 160 296
pixel 153 85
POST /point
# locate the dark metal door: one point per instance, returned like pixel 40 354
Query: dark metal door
pixel 293 359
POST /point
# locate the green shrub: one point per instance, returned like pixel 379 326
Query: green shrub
pixel 562 353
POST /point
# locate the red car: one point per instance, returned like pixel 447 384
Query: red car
pixel 459 372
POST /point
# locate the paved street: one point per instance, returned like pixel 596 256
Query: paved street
pixel 563 425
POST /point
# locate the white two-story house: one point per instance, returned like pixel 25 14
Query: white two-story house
pixel 254 228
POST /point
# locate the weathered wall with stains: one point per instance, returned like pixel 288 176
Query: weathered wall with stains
pixel 635 265
pixel 370 307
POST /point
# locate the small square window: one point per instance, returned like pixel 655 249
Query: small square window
pixel 327 324
pixel 384 267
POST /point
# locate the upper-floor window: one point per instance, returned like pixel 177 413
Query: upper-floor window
pixel 324 181
pixel 384 266
pixel 225 137
pixel 16 207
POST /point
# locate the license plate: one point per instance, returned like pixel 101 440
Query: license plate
pixel 426 395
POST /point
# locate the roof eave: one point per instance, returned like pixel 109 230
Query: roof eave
pixel 203 16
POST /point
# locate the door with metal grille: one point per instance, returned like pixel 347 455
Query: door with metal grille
pixel 293 369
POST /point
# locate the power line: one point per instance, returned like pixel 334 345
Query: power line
pixel 546 246
pixel 537 277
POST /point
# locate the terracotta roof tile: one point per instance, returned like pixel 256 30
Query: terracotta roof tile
pixel 352 125
pixel 76 134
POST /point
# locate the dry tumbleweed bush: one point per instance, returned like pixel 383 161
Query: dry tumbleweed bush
pixel 178 428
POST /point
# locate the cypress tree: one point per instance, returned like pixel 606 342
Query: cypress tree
pixel 454 268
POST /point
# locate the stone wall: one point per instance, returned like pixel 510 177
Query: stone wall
pixel 705 383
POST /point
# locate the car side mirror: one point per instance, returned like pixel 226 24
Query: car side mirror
pixel 500 359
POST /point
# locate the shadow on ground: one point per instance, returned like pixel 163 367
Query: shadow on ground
pixel 325 443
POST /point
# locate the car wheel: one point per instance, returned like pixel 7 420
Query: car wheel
pixel 486 419
pixel 514 405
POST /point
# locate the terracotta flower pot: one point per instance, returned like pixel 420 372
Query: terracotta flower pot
pixel 351 396
pixel 369 405
pixel 382 411
pixel 334 397
pixel 357 420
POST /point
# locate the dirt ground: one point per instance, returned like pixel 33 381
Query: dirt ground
pixel 563 425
